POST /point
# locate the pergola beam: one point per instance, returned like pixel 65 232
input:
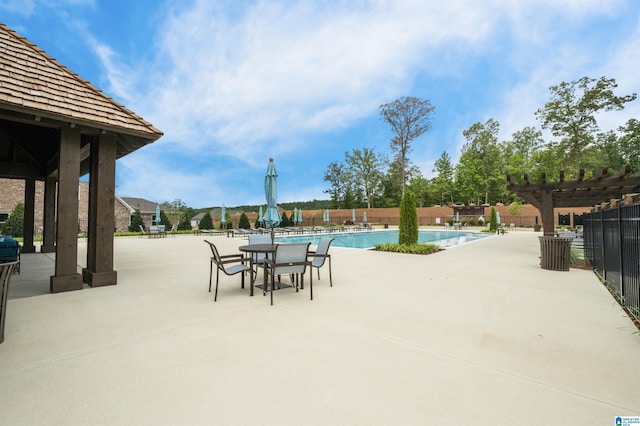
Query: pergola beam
pixel 546 196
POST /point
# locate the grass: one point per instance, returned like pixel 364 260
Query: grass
pixel 408 248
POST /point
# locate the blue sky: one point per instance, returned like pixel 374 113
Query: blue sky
pixel 232 83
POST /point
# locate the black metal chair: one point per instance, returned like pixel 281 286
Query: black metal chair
pixel 288 259
pixel 238 266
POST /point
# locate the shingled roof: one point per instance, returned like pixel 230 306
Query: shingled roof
pixel 32 82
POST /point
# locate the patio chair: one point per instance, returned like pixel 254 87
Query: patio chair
pixel 238 265
pixel 6 269
pixel 320 255
pixel 288 259
pixel 258 258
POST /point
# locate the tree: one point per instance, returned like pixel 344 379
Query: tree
pixel 174 210
pixel 408 225
pixel 14 225
pixel 629 144
pixel 409 118
pixel 185 220
pixel 243 223
pixel 520 151
pixel 136 222
pixel 493 220
pixel 443 183
pixel 366 169
pixel 571 114
pixel 339 183
pixel 421 189
pixel 481 169
pixel 206 222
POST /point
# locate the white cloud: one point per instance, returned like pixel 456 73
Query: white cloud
pixel 245 81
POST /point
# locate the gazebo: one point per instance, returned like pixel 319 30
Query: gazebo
pixel 56 127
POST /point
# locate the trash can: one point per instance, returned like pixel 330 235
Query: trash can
pixel 6 269
pixel 555 253
pixel 386 226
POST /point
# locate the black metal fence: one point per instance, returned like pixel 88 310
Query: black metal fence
pixel 612 246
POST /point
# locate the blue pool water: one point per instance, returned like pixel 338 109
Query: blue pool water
pixel 369 239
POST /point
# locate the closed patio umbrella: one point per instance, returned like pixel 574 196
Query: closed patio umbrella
pixel 260 218
pixel 364 216
pixel 300 215
pixel 295 216
pixel 271 216
pixel 353 215
pixel 223 216
pixel 157 215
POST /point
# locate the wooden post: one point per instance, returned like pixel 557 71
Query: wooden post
pixel 99 270
pixel 66 276
pixel 49 219
pixel 29 209
pixel 547 211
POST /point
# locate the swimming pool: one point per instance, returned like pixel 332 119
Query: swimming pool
pixel 369 239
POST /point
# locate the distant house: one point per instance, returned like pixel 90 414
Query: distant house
pixel 12 193
pixel 147 209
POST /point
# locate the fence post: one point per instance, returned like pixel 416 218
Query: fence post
pixel 620 254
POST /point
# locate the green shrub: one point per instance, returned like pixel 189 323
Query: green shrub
pixel 14 225
pixel 493 221
pixel 409 248
pixel 136 222
pixel 244 222
pixel 408 225
pixel 206 222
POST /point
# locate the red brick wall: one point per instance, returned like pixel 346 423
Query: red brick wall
pixel 12 193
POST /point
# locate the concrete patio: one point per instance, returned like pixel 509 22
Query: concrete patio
pixel 478 334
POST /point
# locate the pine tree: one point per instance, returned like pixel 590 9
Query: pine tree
pixel 244 222
pixel 136 222
pixel 408 225
pixel 14 224
pixel 206 222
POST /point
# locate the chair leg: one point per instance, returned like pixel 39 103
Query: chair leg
pixel 215 297
pixel 273 283
pixel 310 283
pixel 330 280
pixel 210 273
pixel 242 280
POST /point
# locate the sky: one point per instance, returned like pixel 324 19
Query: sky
pixel 232 83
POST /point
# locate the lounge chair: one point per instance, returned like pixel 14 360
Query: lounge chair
pixel 320 255
pixel 288 259
pixel 238 265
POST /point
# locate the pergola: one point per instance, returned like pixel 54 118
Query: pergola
pixel 545 196
pixel 56 127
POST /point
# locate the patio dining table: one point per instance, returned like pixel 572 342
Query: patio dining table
pixel 266 249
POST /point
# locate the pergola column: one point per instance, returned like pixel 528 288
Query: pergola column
pixel 99 270
pixel 29 207
pixel 66 276
pixel 547 212
pixel 49 216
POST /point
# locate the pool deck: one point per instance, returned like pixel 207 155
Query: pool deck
pixel 477 334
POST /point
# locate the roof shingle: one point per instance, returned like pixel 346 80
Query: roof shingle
pixel 32 80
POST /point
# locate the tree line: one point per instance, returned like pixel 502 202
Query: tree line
pixel 365 178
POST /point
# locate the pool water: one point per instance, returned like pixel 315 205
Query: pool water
pixel 369 239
